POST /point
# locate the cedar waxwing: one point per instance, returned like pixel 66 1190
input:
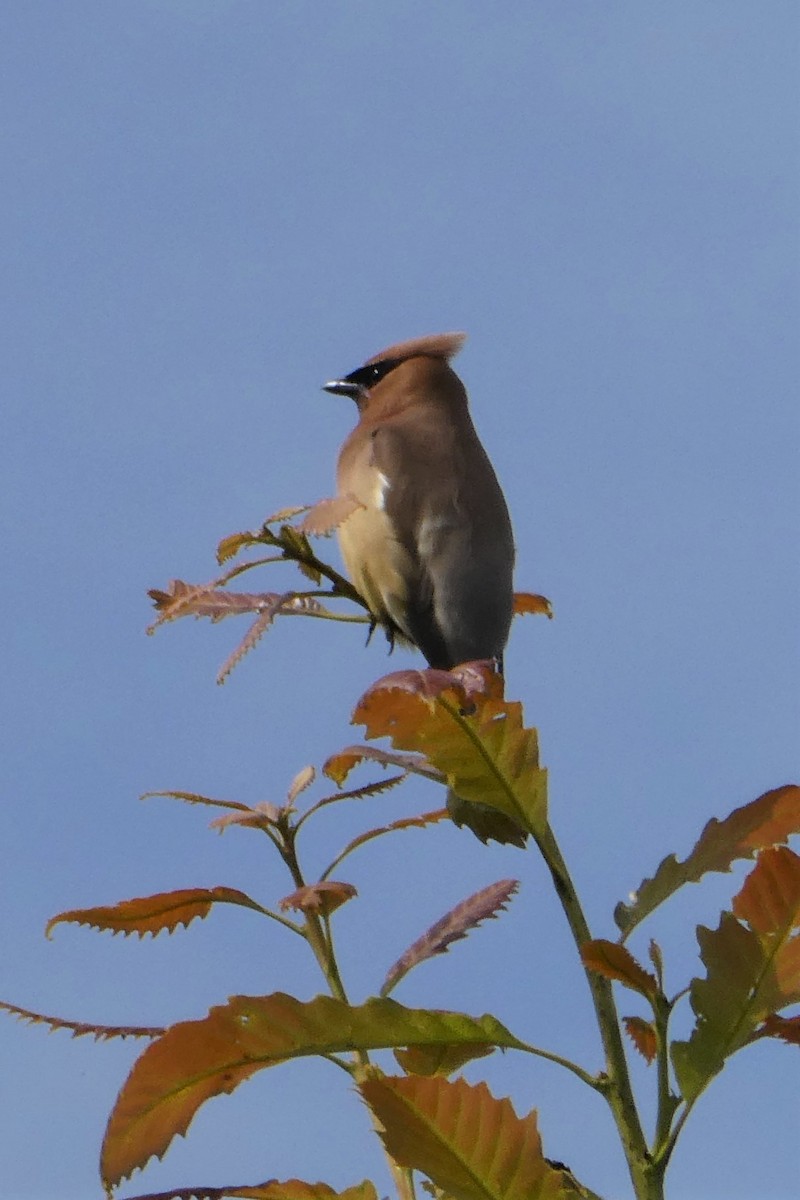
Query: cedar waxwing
pixel 431 550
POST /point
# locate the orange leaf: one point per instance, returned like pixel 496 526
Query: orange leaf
pixel 152 914
pixel 643 1035
pixel 767 821
pixel 529 602
pixel 459 720
pixel 468 1143
pixel 339 766
pixel 230 546
pixel 196 1060
pixel 770 898
pixel 320 897
pixel 615 962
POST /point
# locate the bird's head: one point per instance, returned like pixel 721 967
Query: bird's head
pixel 416 357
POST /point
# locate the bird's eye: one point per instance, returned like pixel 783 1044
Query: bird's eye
pixel 367 377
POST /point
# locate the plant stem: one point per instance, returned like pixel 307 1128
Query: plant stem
pixel 646 1176
pixel 319 938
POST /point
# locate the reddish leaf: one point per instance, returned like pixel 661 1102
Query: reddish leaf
pixel 322 898
pixel 285 514
pixel 327 515
pixel 615 962
pixel 768 821
pixel 643 1035
pixel 100 1033
pixel 196 1060
pixel 468 1143
pixel 152 914
pixel 196 798
pixel 302 780
pixel 420 822
pixel 260 816
pixel 254 634
pixel 529 602
pixel 364 792
pixel 211 601
pixel 454 925
pixel 770 900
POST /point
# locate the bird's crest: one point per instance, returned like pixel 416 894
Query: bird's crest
pixel 434 345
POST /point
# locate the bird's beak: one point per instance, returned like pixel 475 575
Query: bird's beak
pixel 343 387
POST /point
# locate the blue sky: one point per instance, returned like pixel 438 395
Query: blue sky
pixel 207 210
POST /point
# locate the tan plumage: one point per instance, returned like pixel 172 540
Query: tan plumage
pixel 431 551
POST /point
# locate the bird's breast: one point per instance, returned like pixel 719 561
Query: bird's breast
pixel 378 564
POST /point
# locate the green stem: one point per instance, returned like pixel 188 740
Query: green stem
pixel 646 1176
pixel 320 940
pixel 314 929
pixel 567 1063
pixel 662 1010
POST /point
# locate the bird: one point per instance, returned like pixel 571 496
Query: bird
pixel 430 547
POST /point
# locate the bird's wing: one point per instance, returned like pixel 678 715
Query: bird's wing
pixel 408 468
pixel 448 513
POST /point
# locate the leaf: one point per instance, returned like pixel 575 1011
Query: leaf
pixel 460 722
pixel 529 602
pixel 180 600
pixel 615 962
pixel 302 780
pixel 296 548
pixel 438 1060
pixel 285 514
pixel 196 798
pixel 748 977
pixel 273 1189
pixel 643 1035
pixel 100 1033
pixel 152 914
pixel 230 546
pixel 657 959
pixel 196 1060
pixel 323 897
pixel 453 926
pixel 327 515
pixel 767 821
pixel 212 601
pixel 419 822
pixel 365 792
pixel 770 899
pixel 339 766
pixel 251 639
pixel 260 816
pixel 468 1143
